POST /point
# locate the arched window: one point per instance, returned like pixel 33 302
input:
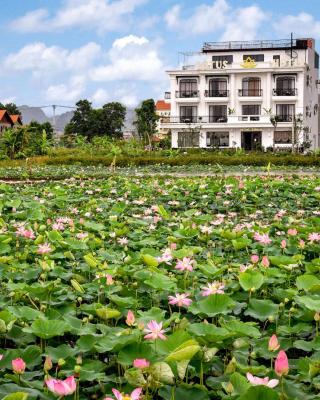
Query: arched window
pixel 285 86
pixel 218 87
pixel 251 87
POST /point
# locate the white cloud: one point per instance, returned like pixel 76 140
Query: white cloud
pixel 129 100
pixel 8 100
pixel 102 15
pixel 67 92
pixel 205 18
pixel 37 57
pixel 233 23
pixel 100 97
pixel 131 58
pixel 303 24
pixel 245 24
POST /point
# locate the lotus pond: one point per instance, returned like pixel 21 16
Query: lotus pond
pixel 157 288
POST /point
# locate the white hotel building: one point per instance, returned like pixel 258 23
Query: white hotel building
pixel 251 95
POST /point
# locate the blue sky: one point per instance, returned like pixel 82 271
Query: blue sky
pixel 59 51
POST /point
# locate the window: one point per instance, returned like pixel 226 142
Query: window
pixel 188 139
pixel 218 113
pixel 188 114
pixel 283 137
pixel 276 60
pixel 255 57
pixel 188 88
pixel 251 87
pixel 251 109
pixel 217 139
pixel 229 59
pixel 285 86
pixel 218 88
pixel 316 60
pixel 285 112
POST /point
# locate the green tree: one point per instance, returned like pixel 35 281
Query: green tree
pixel 39 128
pixel 146 121
pixel 82 121
pixel 90 122
pixel 11 108
pixel 113 117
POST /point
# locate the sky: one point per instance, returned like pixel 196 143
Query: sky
pixel 60 51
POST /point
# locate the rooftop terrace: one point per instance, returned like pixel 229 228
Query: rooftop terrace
pixel 281 44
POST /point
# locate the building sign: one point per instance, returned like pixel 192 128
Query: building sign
pixel 286 63
pixel 249 63
pixel 220 64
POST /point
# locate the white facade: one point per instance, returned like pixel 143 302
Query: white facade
pixel 231 97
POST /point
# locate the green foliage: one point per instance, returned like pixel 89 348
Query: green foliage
pixel 146 121
pixel 89 122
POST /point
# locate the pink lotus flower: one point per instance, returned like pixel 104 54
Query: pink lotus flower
pixel 265 262
pixel 135 395
pixel 141 363
pixel 181 300
pixel 273 344
pixel 262 238
pixel 173 246
pixel 123 241
pixel 215 287
pixel 130 318
pixel 314 237
pixel 292 232
pixel 82 235
pixel 254 258
pixel 302 244
pixel 281 366
pixel 283 244
pixel 154 331
pixel 185 264
pixel 1 357
pixel 62 388
pixel 18 366
pixel 44 248
pixel 256 381
pixel 109 280
pixel 26 233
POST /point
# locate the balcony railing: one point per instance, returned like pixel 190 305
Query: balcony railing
pixel 285 92
pixel 167 95
pixel 216 93
pixel 187 94
pixel 284 118
pixel 214 119
pixel 250 92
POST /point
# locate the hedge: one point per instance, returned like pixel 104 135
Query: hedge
pixel 254 159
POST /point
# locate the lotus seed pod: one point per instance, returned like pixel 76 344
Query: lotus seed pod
pixel 229 388
pixel 79 360
pixel 317 316
pixel 271 318
pixel 79 299
pixel 90 317
pixel 61 362
pixel 77 369
pixel 286 300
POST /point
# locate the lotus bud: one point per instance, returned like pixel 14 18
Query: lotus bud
pixel 281 366
pixel 273 344
pixel 317 317
pixel 47 364
pixel 231 367
pixel 130 321
pixel 238 343
pixel 90 317
pixel 79 360
pixel 271 318
pixel 61 362
pixel 229 388
pixel 18 366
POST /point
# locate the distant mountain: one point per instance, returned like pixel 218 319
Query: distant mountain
pixel 37 114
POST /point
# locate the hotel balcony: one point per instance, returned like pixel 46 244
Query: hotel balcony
pixel 284 118
pixel 187 94
pixel 285 94
pixel 223 121
pixel 216 94
pixel 250 92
